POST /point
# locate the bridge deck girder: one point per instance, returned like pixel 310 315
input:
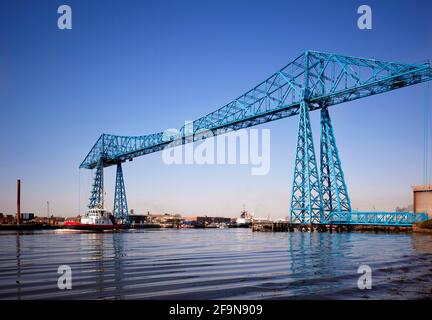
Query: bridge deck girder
pixel 318 78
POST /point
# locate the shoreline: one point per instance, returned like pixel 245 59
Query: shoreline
pixel 413 229
pixel 27 227
pixel 421 230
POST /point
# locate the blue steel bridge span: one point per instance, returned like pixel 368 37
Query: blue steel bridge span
pixel 314 81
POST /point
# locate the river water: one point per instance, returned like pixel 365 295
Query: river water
pixel 214 264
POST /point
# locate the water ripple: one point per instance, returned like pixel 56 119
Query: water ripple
pixel 214 264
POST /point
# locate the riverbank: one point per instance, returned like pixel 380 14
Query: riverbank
pixel 421 230
pixel 26 227
pixel 260 227
pixel 423 227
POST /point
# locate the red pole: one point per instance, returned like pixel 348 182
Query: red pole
pixel 18 201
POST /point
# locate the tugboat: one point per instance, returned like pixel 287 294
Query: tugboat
pixel 95 219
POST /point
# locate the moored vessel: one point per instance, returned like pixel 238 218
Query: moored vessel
pixel 245 220
pixel 96 219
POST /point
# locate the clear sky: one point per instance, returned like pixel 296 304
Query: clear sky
pixel 138 67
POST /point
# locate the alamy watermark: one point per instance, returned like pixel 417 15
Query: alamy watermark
pixel 365 280
pixel 65 20
pixel 236 147
pixel 64 282
pixel 364 22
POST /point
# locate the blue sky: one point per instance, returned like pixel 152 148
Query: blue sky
pixel 137 67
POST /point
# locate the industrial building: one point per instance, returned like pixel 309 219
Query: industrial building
pixel 422 199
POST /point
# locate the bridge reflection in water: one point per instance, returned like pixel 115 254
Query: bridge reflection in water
pixel 214 264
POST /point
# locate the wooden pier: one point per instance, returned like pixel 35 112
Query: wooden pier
pixel 270 226
pixel 282 226
pixel 145 225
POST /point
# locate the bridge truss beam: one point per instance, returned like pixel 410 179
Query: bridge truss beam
pixel 397 219
pixel 328 79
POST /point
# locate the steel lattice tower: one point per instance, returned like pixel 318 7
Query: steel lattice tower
pixel 306 196
pixel 97 196
pixel 333 186
pixel 121 211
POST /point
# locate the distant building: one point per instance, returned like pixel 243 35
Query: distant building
pixel 168 218
pixel 26 217
pixel 408 208
pixel 43 220
pixel 190 218
pixel 422 196
pixel 9 219
pixel 165 218
pixel 140 218
pixel 54 221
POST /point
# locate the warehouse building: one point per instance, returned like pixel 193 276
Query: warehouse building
pixel 423 199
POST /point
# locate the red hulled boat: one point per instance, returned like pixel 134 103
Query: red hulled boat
pixel 95 219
